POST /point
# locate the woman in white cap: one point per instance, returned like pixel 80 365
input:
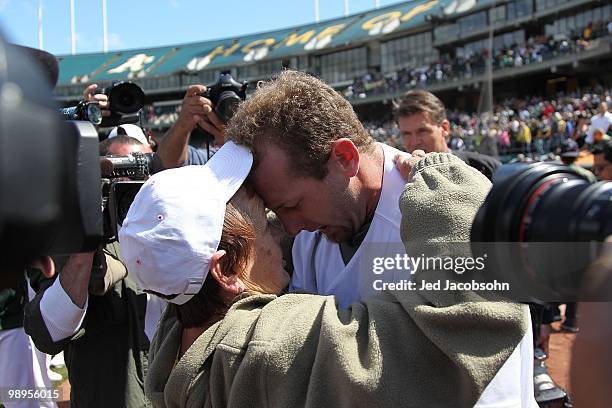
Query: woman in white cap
pixel 199 238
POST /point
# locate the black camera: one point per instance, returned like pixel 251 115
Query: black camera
pixel 51 200
pixel 125 97
pixel 542 226
pixel 225 95
pixel 125 100
pixel 122 177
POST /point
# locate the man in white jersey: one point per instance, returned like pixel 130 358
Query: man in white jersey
pixel 603 121
pixel 337 191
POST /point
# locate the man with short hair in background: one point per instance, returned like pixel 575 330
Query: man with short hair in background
pixel 421 117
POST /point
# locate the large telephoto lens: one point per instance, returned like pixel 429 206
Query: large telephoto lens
pixel 544 225
pixel 544 202
pixel 126 97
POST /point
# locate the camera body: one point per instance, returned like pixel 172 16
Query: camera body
pixel 122 177
pixel 85 110
pixel 225 95
pixel 125 100
pixel 124 97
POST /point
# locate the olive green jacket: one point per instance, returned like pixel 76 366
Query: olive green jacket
pixel 401 349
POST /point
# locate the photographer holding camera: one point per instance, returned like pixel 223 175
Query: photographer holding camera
pixel 204 109
pixel 196 110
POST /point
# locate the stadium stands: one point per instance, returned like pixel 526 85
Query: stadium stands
pixel 442 45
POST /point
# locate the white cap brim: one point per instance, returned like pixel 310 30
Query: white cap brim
pixel 175 223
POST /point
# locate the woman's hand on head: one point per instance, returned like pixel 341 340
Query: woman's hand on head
pixel 405 162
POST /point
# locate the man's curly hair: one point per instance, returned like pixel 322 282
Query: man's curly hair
pixel 300 114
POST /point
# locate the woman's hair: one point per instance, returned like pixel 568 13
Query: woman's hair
pixel 238 242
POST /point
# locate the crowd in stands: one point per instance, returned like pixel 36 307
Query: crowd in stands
pixel 161 117
pixel 533 126
pixel 535 50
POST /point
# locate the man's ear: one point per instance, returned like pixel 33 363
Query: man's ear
pixel 445 125
pixel 346 155
pixel 228 280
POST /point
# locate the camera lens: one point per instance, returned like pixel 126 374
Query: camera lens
pixel 227 105
pixel 542 225
pixel 126 98
pixel 543 202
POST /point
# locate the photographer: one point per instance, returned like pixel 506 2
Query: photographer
pixel 196 110
pixel 197 114
pixel 90 95
pixel 94 313
pixel 132 131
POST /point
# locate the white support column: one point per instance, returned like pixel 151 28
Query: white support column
pixel 72 28
pixel 40 25
pixel 104 27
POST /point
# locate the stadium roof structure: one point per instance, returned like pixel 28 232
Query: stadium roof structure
pixel 267 46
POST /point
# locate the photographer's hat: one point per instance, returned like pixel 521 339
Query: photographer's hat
pixel 174 225
pixel 129 130
pixel 570 149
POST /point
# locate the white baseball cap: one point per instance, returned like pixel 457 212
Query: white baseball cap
pixel 174 225
pixel 132 131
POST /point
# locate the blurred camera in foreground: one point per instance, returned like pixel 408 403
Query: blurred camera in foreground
pixel 50 198
pixel 542 226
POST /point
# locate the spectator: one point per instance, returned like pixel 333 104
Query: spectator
pixel 599 136
pixel 603 121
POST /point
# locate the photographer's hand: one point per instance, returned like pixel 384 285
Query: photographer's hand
pixel 215 126
pixel 195 109
pixel 64 304
pixel 90 95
